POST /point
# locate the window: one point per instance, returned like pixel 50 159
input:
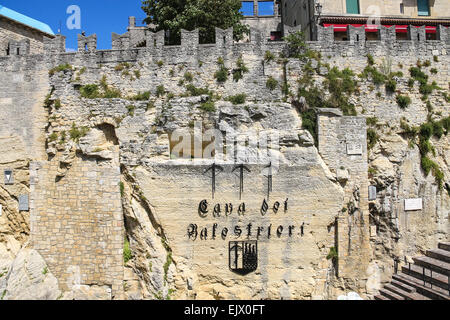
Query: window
pixel 353 6
pixel 265 8
pixel 423 7
pixel 247 9
pixel 402 8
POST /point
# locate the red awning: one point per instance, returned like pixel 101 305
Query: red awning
pixel 374 28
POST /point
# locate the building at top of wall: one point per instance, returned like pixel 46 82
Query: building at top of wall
pixel 265 16
pixel 368 13
pixel 20 34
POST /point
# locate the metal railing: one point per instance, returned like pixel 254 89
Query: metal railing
pixel 424 277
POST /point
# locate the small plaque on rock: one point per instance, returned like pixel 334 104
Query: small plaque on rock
pixel 354 149
pixel 372 193
pixel 23 203
pixel 413 204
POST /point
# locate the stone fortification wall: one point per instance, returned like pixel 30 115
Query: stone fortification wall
pixel 76 212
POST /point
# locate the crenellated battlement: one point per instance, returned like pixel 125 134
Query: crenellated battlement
pixel 141 41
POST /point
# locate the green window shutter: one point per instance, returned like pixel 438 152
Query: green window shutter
pixel 423 7
pixel 353 6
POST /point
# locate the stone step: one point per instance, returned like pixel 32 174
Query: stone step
pixel 391 295
pixel 403 286
pixel 444 246
pixel 433 264
pixel 380 297
pixel 439 254
pixel 438 280
pixel 405 294
pixel 435 293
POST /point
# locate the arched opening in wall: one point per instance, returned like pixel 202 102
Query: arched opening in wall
pixel 110 133
pixel 85 47
pixel 18 51
pixel 8 50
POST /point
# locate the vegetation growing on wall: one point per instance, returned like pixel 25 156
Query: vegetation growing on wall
pixel 238 72
pixel 237 99
pixel 421 137
pixel 127 255
pixel 76 133
pixel 221 75
pixel 60 68
pixel 271 83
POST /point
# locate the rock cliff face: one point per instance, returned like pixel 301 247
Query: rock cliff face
pixel 116 213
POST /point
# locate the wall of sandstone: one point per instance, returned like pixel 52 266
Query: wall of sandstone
pixel 165 262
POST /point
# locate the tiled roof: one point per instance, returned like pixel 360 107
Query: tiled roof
pixel 385 20
pixel 30 22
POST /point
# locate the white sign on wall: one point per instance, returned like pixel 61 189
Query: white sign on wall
pixel 1 210
pixel 354 149
pixel 413 204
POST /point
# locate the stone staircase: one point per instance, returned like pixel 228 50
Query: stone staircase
pixel 426 279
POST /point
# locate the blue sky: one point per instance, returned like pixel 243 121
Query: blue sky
pixel 97 16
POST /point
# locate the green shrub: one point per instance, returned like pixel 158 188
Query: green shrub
pixel 377 77
pixel 131 109
pixel 411 82
pixel 426 130
pixel 269 56
pixel 370 60
pixel 208 106
pixel 57 104
pixel 221 75
pixel 238 73
pixel 127 255
pixel 372 138
pixel 166 266
pixel 296 45
pixel 438 129
pixel 160 63
pixel 418 74
pixel 238 99
pixel 436 58
pixel 144 96
pixel 446 124
pixel 76 133
pixel 90 91
pixel 271 83
pixel 403 101
pixel 425 147
pixel 160 90
pixel 434 71
pixel 309 122
pixel 372 121
pixel 391 85
pixel 122 66
pixel 188 77
pixel 194 91
pixel 427 63
pixel 333 254
pixel 60 68
pixel 137 74
pixel 53 137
